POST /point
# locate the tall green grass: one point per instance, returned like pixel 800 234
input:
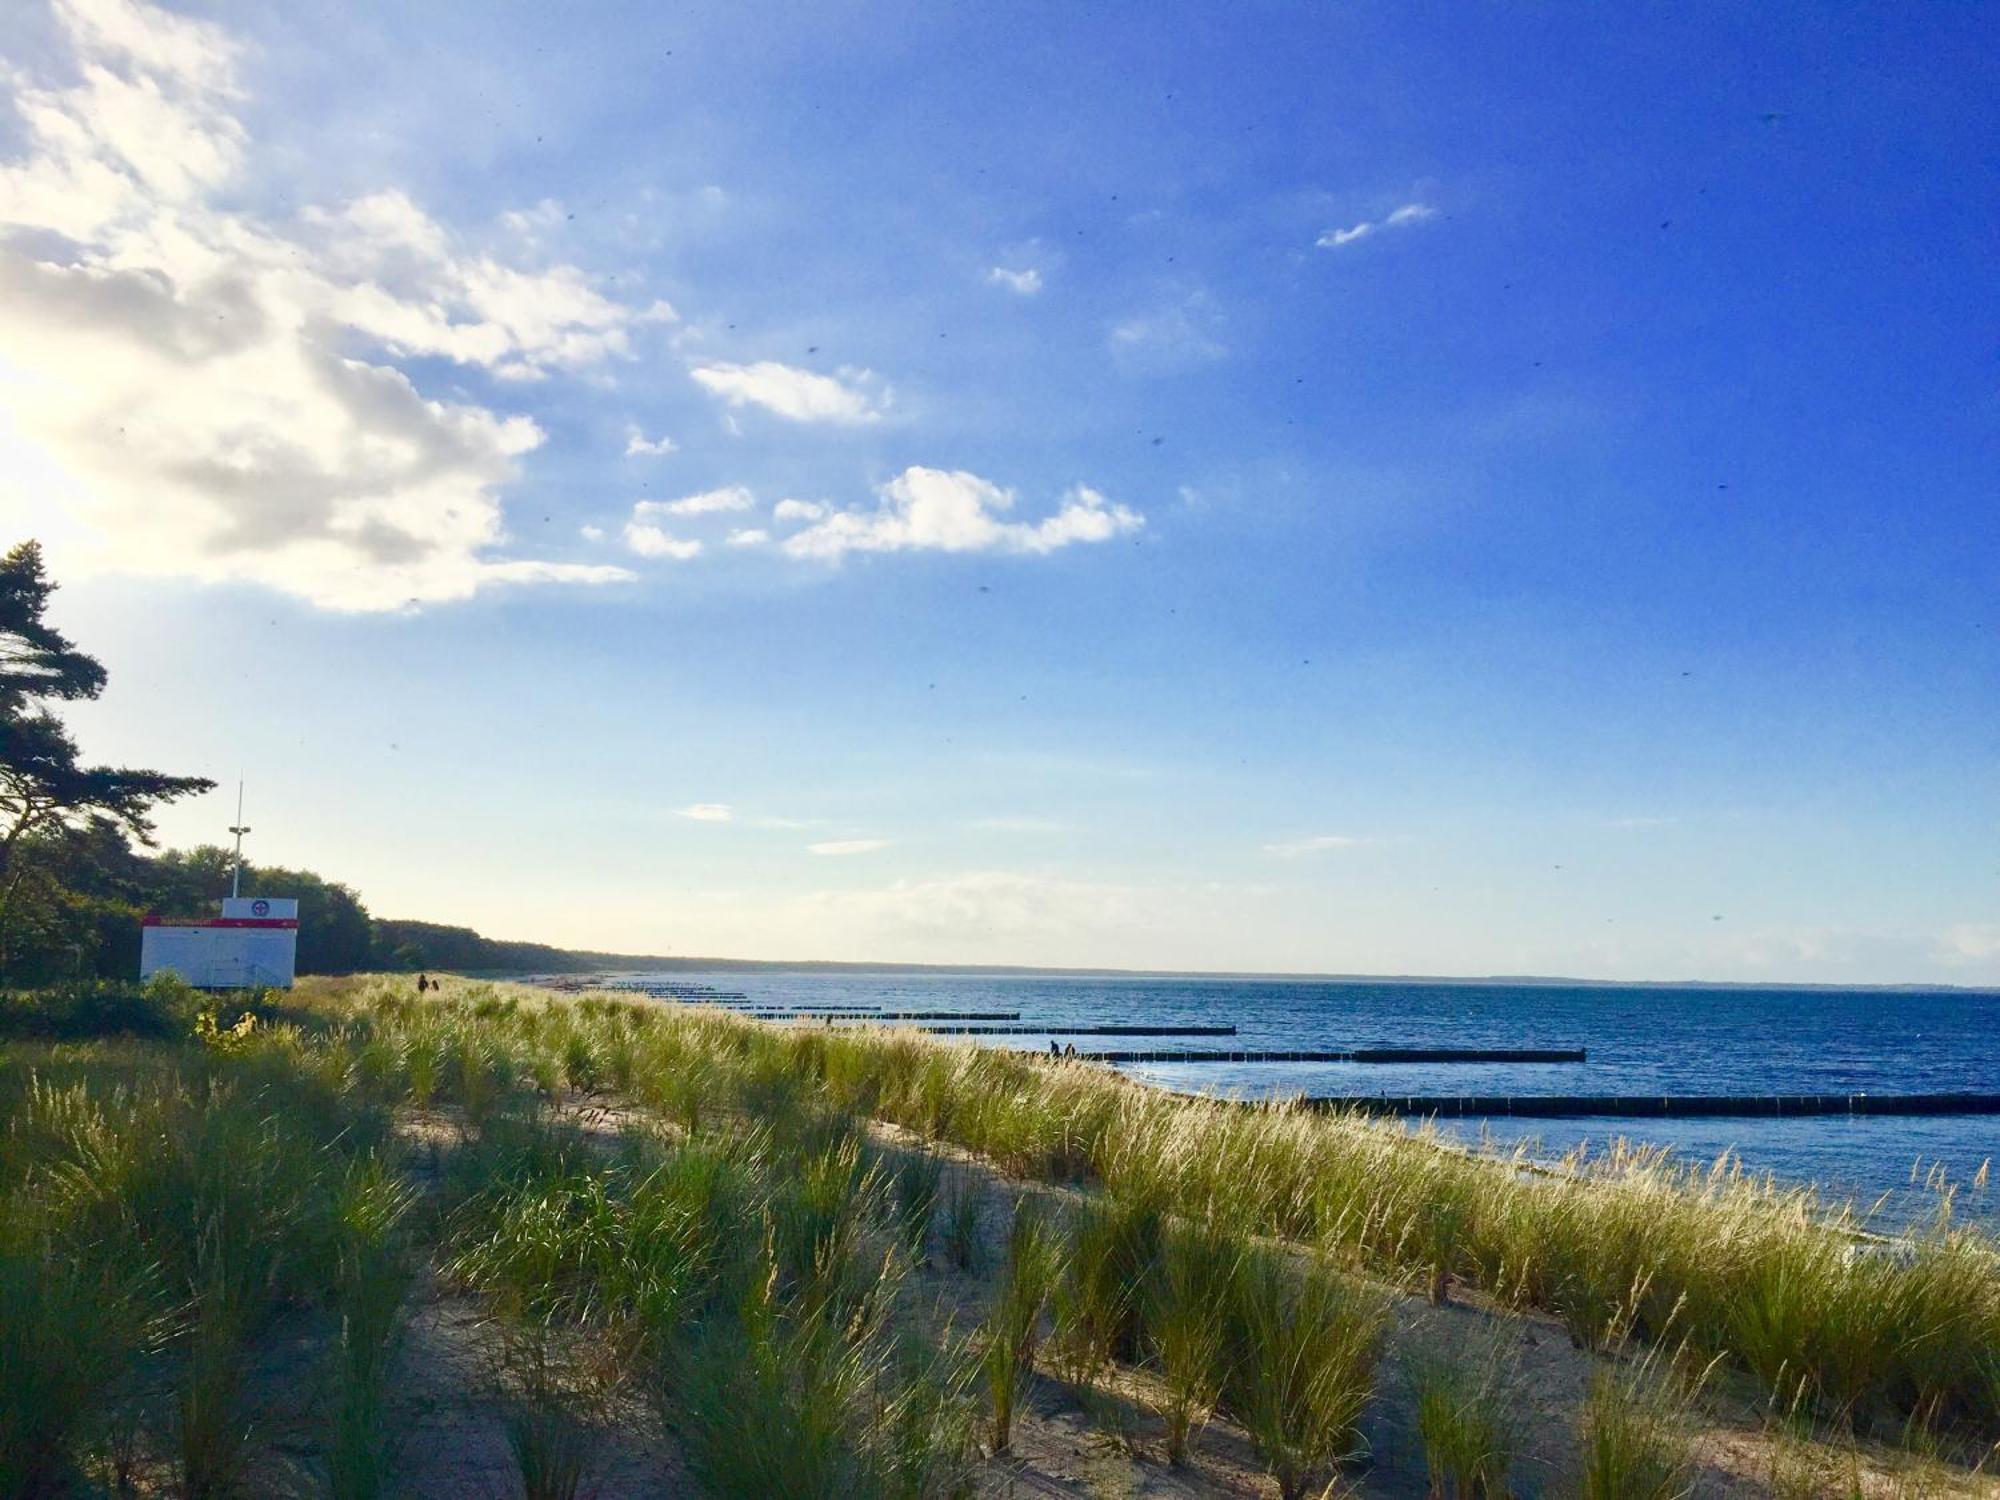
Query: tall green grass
pixel 962 1198
pixel 74 1318
pixel 752 1282
pixel 548 1404
pixel 807 1388
pixel 1466 1404
pixel 1188 1328
pixel 919 1180
pixel 214 1182
pixel 1767 1278
pixel 1304 1351
pixel 1014 1325
pixel 1100 1300
pixel 1635 1434
pixel 371 1281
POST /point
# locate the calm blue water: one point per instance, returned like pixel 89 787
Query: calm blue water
pixel 1640 1041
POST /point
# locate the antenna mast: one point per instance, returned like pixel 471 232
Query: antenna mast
pixel 239 828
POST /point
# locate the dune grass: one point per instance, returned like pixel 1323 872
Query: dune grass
pixel 1188 1328
pixel 1636 1434
pixel 1466 1420
pixel 1014 1326
pixel 372 1277
pixel 1782 1287
pixel 743 1254
pixel 1303 1372
pixel 72 1322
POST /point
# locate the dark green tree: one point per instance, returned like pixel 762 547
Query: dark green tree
pixel 336 935
pixel 46 791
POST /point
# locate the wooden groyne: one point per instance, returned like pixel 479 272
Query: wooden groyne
pixel 1662 1106
pixel 1036 1029
pixel 763 1008
pixel 697 994
pixel 1349 1055
pixel 904 1015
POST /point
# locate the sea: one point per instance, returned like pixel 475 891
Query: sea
pixel 1639 1040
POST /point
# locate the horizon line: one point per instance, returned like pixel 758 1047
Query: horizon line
pixel 625 962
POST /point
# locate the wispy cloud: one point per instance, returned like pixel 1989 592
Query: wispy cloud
pixel 794 394
pixel 1185 333
pixel 953 511
pixel 638 445
pixel 707 812
pixel 847 846
pixel 748 536
pixel 977 906
pixel 646 538
pixel 1318 844
pixel 797 510
pixel 1970 942
pixel 1401 218
pixel 1023 283
pixel 707 503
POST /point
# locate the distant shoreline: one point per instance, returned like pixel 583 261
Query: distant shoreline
pixel 635 964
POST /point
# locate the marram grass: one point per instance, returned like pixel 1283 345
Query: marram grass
pixel 743 1255
pixel 1780 1286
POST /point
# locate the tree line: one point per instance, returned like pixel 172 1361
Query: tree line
pixel 78 865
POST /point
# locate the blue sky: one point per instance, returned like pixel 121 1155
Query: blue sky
pixel 1257 487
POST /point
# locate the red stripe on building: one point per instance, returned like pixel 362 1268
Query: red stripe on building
pixel 151 921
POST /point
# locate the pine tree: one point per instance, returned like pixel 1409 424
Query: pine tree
pixel 44 788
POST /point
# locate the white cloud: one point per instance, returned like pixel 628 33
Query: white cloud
pixel 795 394
pixel 591 533
pixel 1024 283
pixel 973 909
pixel 1295 848
pixel 797 510
pixel 533 223
pixel 1401 218
pixel 707 812
pixel 649 541
pixel 1179 336
pixel 402 279
pixel 638 445
pixel 155 41
pixel 953 511
pixel 749 536
pixel 219 391
pixel 707 503
pixel 848 846
pixel 1970 942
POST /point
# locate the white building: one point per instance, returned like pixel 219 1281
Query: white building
pixel 254 943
